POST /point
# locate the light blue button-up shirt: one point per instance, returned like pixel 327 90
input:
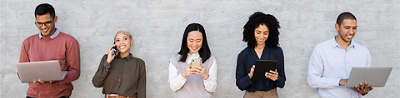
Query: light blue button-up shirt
pixel 329 63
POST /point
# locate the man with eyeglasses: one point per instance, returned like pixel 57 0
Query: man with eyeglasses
pixel 51 44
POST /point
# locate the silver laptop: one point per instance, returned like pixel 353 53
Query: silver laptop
pixel 43 70
pixel 374 76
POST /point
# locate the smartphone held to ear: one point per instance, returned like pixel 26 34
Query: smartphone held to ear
pixel 195 63
pixel 116 51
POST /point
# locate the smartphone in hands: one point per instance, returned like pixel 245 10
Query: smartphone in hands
pixel 195 63
pixel 116 52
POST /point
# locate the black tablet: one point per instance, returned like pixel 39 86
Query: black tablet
pixel 263 66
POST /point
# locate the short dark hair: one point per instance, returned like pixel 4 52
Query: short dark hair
pixel 257 19
pixel 45 8
pixel 204 51
pixel 345 15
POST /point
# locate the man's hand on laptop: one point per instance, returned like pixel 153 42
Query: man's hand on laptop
pixel 39 82
pixel 363 89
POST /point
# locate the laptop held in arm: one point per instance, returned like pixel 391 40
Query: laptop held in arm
pixel 374 76
pixel 43 70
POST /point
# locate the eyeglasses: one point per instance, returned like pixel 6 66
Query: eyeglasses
pixel 39 24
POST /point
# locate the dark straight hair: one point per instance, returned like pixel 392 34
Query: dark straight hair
pixel 45 8
pixel 204 51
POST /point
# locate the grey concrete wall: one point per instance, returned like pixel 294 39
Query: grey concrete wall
pixel 157 27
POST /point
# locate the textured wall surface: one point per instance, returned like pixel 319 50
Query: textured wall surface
pixel 157 27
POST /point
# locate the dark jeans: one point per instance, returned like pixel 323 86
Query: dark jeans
pixel 60 97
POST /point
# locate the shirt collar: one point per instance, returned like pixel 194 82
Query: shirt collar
pixel 192 57
pixel 52 36
pixel 129 57
pixel 335 44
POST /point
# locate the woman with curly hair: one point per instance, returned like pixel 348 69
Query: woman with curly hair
pixel 262 37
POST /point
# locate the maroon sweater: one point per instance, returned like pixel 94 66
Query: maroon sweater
pixel 64 48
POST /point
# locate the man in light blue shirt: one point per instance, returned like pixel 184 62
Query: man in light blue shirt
pixel 332 60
